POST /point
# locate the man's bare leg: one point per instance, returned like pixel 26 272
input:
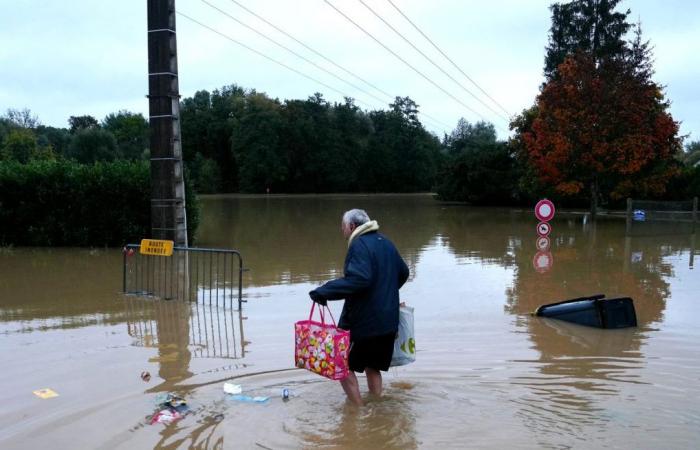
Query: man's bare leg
pixel 352 388
pixel 374 381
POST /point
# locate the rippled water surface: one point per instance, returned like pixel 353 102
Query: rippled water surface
pixel 487 375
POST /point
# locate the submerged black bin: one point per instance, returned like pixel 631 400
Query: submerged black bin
pixel 593 311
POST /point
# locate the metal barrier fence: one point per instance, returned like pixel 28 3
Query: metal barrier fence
pixel 651 218
pixel 201 275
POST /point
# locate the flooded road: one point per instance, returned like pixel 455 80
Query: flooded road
pixel 487 375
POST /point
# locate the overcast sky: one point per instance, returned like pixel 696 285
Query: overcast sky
pixel 63 58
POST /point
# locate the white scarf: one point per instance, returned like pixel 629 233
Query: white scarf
pixel 366 227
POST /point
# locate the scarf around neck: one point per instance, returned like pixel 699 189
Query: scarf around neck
pixel 366 227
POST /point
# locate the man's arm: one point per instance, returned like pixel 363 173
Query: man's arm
pixel 358 276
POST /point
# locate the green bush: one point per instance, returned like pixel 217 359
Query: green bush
pixel 484 175
pixel 63 203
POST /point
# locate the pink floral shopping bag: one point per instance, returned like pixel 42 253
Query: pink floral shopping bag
pixel 321 347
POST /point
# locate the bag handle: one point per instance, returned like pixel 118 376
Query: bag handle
pixel 321 311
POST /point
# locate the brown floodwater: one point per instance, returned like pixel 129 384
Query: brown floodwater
pixel 487 375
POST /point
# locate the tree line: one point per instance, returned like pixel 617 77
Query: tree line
pixel 244 141
pixel 599 130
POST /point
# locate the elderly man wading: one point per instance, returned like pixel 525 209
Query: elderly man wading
pixel 374 271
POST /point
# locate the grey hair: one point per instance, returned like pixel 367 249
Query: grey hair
pixel 356 217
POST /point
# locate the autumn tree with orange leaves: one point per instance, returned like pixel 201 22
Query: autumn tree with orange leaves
pixel 601 127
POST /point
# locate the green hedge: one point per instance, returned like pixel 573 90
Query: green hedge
pixel 63 203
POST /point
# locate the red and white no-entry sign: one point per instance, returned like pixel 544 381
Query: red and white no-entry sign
pixel 542 243
pixel 542 261
pixel 544 210
pixel 543 229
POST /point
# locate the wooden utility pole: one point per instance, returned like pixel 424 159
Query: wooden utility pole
pixel 168 218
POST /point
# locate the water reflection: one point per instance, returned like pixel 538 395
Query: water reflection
pixel 515 380
pixel 61 287
pixel 598 258
pixel 297 239
pixel 390 420
pixel 182 331
pixel 578 367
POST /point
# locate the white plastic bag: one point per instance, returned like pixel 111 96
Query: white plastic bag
pixel 405 343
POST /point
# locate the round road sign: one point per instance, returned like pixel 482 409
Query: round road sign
pixel 544 210
pixel 542 243
pixel 543 229
pixel 542 261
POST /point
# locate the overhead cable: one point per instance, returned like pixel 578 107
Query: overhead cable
pixel 298 72
pixel 448 58
pixel 316 52
pixel 263 35
pixel 404 61
pixel 430 60
pixel 269 58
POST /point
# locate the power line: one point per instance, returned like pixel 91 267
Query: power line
pixel 378 89
pixel 292 51
pixel 448 58
pixel 405 39
pixel 312 50
pixel 404 61
pixel 309 77
pixel 268 57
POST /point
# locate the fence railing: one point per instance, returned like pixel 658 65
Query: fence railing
pixel 201 275
pixel 647 217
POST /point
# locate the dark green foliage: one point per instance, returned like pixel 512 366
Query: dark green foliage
pixel 691 154
pixel 207 126
pixel 21 118
pixel 255 143
pixel 78 123
pixel 402 156
pixel 90 145
pixel 693 175
pixel 56 138
pixel 68 204
pixel 5 127
pixel 480 170
pixel 205 174
pixel 130 131
pixel 592 26
pixel 20 139
pixel 20 144
pixel 306 145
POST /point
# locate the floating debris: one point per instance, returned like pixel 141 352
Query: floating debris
pixel 171 408
pixel 231 388
pixel 249 399
pixel 45 393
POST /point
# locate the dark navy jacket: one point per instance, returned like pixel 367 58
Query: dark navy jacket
pixel 374 271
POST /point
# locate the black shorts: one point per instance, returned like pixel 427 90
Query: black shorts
pixel 374 352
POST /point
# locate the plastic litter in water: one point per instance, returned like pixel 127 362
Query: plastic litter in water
pixel 231 388
pixel 45 393
pixel 169 400
pixel 172 408
pixel 249 399
pixel 166 416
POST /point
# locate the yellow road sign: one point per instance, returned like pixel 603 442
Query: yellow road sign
pixel 156 247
